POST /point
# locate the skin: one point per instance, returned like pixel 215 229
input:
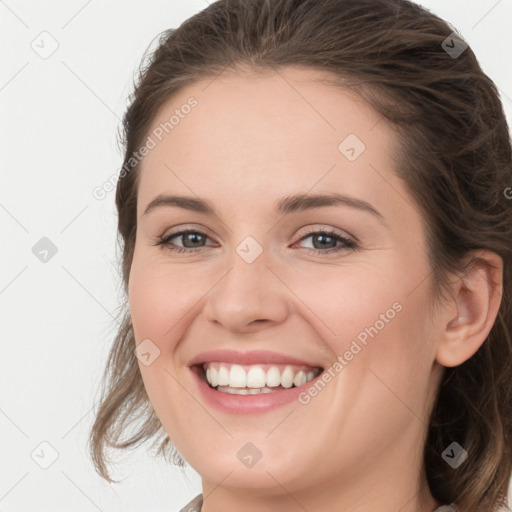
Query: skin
pixel 356 446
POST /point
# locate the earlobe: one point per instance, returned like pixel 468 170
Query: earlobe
pixel 468 321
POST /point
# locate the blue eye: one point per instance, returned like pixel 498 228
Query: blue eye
pixel 190 235
pixel 326 237
pixel 322 237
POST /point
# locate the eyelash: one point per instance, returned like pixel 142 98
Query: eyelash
pixel 347 243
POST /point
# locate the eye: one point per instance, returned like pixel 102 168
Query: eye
pixel 325 241
pixel 194 240
pixel 192 237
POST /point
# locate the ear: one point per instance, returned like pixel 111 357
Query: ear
pixel 470 317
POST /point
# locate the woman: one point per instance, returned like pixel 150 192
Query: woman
pixel 317 232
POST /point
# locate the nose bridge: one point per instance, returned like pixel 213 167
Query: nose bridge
pixel 249 291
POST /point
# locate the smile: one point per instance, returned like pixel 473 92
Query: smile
pixel 254 379
pixel 251 382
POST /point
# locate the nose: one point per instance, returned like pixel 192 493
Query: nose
pixel 248 297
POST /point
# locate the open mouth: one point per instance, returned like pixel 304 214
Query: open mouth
pixel 255 379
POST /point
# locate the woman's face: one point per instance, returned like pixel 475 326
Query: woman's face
pixel 256 278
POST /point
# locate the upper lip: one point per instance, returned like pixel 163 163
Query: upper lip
pixel 248 358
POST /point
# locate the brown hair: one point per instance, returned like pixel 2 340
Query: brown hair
pixel 455 159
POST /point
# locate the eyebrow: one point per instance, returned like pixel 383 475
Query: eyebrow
pixel 284 206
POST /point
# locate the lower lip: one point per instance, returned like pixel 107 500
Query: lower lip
pixel 248 404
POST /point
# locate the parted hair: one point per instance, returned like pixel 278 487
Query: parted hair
pixel 454 156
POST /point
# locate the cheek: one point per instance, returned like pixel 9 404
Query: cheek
pixel 370 319
pixel 145 302
pixel 157 311
pixel 156 302
pixel 346 301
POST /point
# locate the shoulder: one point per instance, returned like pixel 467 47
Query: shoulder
pixel 195 505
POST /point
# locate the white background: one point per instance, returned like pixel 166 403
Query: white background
pixel 59 122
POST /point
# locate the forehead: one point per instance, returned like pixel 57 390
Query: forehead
pixel 268 134
pixel 279 108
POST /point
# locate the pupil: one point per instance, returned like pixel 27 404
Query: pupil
pixel 193 235
pixel 323 237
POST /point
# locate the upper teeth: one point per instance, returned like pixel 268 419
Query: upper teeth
pixel 258 376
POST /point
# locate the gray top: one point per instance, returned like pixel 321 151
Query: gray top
pixel 197 503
